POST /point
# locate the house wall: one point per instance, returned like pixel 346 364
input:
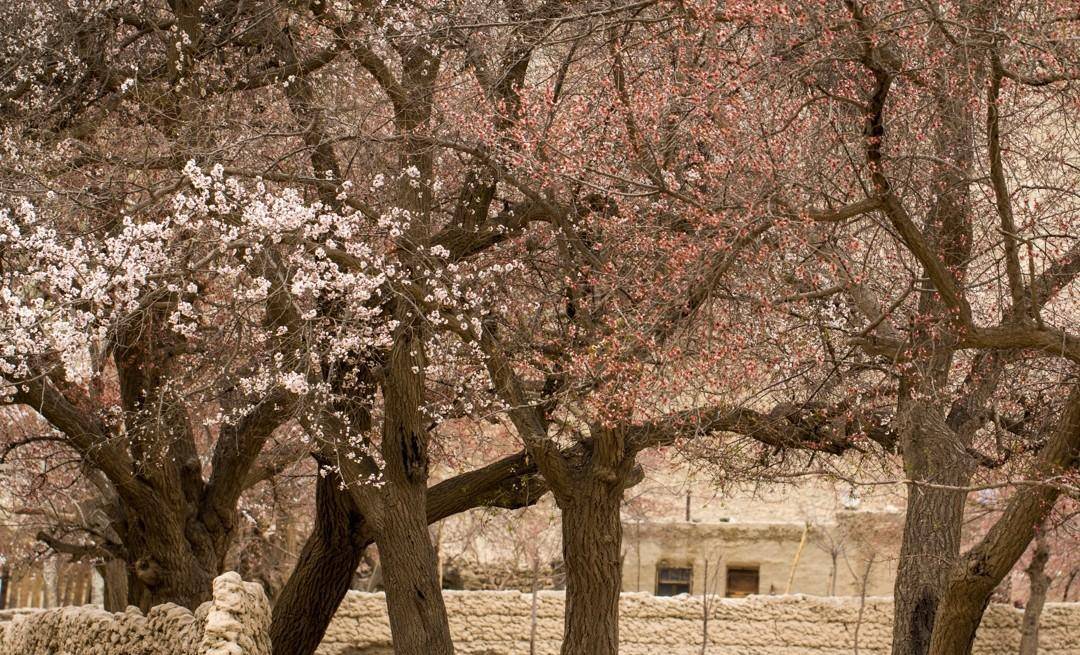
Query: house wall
pixel 865 545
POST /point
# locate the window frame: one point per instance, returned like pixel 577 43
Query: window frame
pixel 742 569
pixel 674 581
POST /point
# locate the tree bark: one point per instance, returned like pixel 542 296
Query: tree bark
pixel 5 582
pixel 172 556
pixel 307 604
pixel 932 525
pixel 930 545
pixel 322 574
pixel 114 573
pixel 418 620
pixel 1040 585
pixel 592 553
pixel 969 585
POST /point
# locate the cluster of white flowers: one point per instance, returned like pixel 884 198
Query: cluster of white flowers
pixel 216 260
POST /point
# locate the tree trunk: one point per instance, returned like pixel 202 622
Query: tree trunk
pixel 930 545
pixel 1040 585
pixel 592 553
pixel 306 605
pixel 970 584
pixel 186 582
pixel 322 574
pixel 167 569
pixel 418 620
pixel 931 540
pixel 1068 585
pixel 173 552
pixel 5 582
pixel 114 573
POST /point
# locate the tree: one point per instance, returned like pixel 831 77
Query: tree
pixel 621 346
pixel 1040 585
pixel 908 119
pixel 311 285
pixel 239 234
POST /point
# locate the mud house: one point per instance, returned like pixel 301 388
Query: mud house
pixel 849 556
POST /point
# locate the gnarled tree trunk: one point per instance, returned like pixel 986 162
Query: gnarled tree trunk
pixel 171 559
pixel 322 574
pixel 592 554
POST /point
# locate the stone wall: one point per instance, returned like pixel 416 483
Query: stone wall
pixel 498 623
pixel 235 622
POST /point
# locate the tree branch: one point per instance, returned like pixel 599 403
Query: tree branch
pixel 811 426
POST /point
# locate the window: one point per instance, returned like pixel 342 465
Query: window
pixel 742 581
pixel 672 581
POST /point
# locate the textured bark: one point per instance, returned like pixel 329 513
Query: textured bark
pixel 931 539
pixel 338 539
pixel 114 573
pixel 971 582
pixel 322 574
pixel 418 620
pixel 930 545
pixel 171 559
pixel 1040 585
pixel 592 554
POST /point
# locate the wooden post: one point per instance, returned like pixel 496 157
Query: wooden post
pixel 798 554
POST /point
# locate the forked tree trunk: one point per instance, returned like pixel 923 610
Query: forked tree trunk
pixel 1040 585
pixel 971 583
pixel 592 553
pixel 322 574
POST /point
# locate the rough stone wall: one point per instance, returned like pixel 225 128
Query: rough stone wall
pixel 498 623
pixel 235 622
